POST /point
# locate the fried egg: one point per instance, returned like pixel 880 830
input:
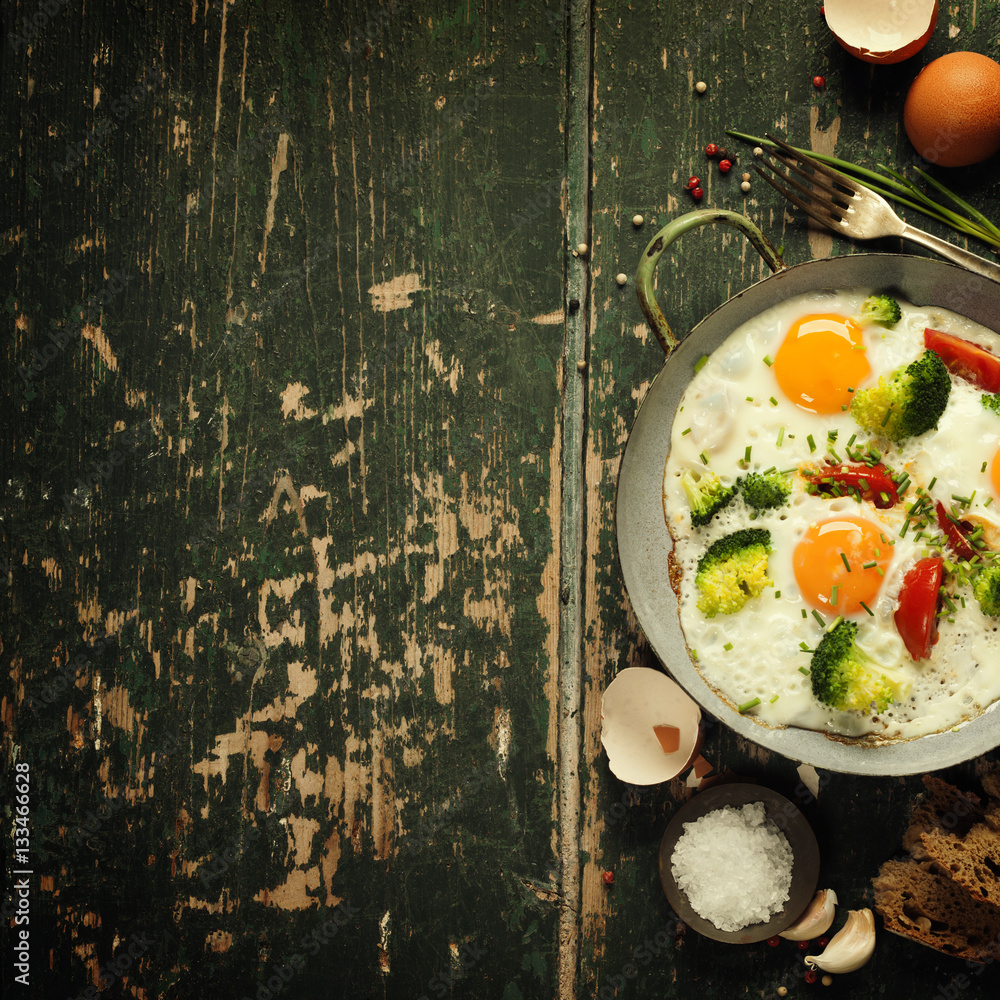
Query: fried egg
pixel 776 395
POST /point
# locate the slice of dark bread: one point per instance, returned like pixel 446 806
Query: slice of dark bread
pixel 973 861
pixel 919 903
pixel 941 808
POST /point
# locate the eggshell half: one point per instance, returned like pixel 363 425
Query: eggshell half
pixel 635 702
pixel 882 31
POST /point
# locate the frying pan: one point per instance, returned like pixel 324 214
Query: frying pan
pixel 644 542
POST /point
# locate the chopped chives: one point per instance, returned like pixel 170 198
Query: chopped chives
pixel 687 430
pixel 869 565
pixel 728 646
pixel 804 647
pixel 704 458
pixel 885 419
pixel 987 501
pixel 774 699
pixel 804 670
pixel 747 705
pixel 773 401
pixel 749 399
pixel 812 443
pixel 983 469
pixel 694 654
pixel 819 618
pixel 846 563
pixel 746 454
pixel 833 595
pixel 700 363
pixel 768 360
pixel 804 615
pixel 781 436
pixel 854 438
pixel 768 472
pixel 964 501
pixel 951 604
pixel 868 609
pixel 880 571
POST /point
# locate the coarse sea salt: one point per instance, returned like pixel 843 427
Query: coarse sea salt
pixel 734 865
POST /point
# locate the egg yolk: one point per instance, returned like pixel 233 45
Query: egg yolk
pixel 820 361
pixel 995 475
pixel 837 564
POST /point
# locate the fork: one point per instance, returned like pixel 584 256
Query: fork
pixel 851 209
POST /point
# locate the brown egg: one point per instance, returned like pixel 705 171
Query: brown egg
pixel 952 112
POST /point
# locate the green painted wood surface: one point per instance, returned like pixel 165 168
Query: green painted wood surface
pixel 307 521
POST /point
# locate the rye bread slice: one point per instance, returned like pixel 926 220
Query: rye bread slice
pixel 973 861
pixel 918 903
pixel 941 808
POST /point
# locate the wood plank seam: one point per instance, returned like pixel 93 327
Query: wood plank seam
pixel 572 533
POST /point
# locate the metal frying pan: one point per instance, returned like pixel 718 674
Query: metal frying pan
pixel 643 539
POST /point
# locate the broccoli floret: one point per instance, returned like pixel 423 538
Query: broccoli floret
pixel 881 309
pixel 908 402
pixel 846 678
pixel 991 401
pixel 732 570
pixel 706 495
pixel 986 588
pixel 762 491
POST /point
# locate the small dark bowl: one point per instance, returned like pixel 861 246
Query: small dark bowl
pixel 788 819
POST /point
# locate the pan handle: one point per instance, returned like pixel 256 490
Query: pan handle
pixel 647 266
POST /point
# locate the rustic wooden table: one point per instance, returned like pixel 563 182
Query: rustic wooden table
pixel 309 459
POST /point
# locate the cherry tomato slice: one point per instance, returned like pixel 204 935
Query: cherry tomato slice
pixel 964 359
pixel 871 483
pixel 916 617
pixel 956 539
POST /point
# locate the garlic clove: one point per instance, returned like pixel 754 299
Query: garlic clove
pixel 850 947
pixel 816 920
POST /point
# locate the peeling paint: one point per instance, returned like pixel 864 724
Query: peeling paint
pixel 396 293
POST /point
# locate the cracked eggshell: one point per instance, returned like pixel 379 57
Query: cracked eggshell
pixel 635 702
pixel 882 31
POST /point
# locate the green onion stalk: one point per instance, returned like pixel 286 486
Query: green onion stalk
pixel 895 186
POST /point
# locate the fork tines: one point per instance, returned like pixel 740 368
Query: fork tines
pixel 823 201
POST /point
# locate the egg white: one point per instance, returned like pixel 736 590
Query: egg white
pixel 734 402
